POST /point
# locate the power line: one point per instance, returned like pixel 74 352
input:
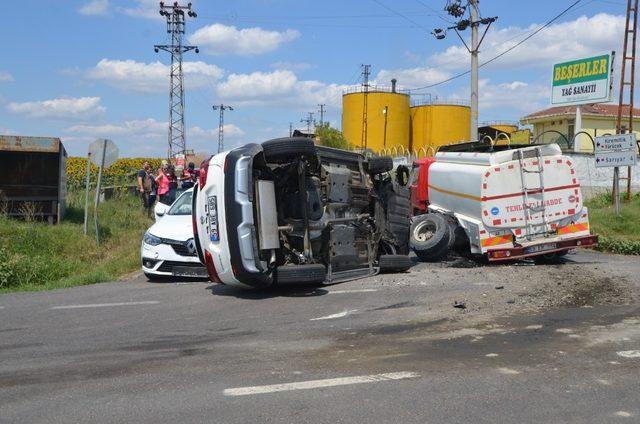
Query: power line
pixel 496 57
pixel 405 17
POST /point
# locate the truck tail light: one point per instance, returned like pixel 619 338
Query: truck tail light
pixel 211 268
pixel 204 170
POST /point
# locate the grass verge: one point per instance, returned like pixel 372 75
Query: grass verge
pixel 618 234
pixel 38 256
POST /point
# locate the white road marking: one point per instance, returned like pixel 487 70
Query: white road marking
pixel 533 327
pixel 491 355
pixel 623 414
pixel 353 291
pixel 629 353
pixel 564 330
pixel 334 316
pixel 314 384
pixel 105 305
pixel 508 371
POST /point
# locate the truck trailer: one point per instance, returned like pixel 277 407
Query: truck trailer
pixel 502 202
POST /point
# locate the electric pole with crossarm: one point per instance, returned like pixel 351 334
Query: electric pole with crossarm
pixel 221 108
pixel 175 15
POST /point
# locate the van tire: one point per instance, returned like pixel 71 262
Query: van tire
pixel 429 237
pixel 380 164
pixel 290 275
pixel 394 263
pixel 288 149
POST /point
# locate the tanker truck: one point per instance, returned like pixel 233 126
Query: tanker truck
pixel 501 202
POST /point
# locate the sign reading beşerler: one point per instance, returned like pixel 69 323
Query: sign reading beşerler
pixel 582 81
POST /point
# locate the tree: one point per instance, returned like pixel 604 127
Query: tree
pixel 331 137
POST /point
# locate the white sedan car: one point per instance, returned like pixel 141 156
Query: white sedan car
pixel 168 249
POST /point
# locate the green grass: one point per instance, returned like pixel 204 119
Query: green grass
pixel 617 234
pixel 38 256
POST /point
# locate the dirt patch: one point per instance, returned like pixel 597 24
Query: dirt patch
pixel 576 287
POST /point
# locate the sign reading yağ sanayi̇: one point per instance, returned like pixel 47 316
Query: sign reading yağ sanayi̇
pixel 583 81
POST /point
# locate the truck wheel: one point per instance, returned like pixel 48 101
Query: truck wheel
pixel 290 275
pixel 429 237
pixel 394 263
pixel 380 164
pixel 288 149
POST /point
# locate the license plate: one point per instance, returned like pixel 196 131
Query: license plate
pixel 540 247
pixel 189 271
pixel 212 204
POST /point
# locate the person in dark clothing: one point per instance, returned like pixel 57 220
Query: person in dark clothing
pixel 146 187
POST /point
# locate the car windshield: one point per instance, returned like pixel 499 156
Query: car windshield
pixel 182 206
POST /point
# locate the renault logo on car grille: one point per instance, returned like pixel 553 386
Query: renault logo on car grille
pixel 191 246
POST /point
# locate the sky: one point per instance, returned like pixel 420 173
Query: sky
pixel 86 69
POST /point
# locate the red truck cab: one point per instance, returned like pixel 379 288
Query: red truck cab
pixel 419 185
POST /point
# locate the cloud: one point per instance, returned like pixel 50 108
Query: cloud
pixel 144 128
pixel 581 37
pixel 95 8
pixel 151 77
pixel 282 88
pixel 6 77
pixel 61 108
pixel 144 9
pixel 148 136
pixel 412 77
pixel 218 39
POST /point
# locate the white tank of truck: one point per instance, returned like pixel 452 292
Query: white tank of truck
pixel 514 202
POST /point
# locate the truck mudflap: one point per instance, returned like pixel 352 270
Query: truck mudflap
pixel 542 248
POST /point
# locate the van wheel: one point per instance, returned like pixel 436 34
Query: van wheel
pixel 394 263
pixel 429 237
pixel 290 275
pixel 380 164
pixel 288 149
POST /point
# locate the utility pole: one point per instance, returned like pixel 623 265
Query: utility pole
pixel 473 5
pixel 322 111
pixel 366 71
pixel 222 108
pixel 175 15
pixel 457 10
pixel 308 120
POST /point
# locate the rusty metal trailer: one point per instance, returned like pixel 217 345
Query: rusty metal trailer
pixel 34 177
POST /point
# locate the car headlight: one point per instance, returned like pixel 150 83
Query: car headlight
pixel 151 239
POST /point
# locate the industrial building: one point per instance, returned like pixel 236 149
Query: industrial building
pixel 558 124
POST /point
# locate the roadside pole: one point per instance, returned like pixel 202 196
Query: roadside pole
pixel 474 69
pixel 577 129
pixel 86 194
pixel 97 199
pixel 616 189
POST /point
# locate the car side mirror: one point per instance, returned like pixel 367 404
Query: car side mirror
pixel 160 209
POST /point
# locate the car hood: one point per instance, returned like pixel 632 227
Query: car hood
pixel 174 227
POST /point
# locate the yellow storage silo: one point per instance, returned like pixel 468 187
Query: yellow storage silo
pixel 388 120
pixel 434 125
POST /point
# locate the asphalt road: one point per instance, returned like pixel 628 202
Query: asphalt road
pixel 535 344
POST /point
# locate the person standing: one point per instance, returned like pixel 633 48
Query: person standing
pixel 146 185
pixel 190 176
pixel 163 185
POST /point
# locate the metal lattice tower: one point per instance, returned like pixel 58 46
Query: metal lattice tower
pixel 175 15
pixel 366 71
pixel 221 108
pixel 627 83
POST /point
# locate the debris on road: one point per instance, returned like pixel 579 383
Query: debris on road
pixel 459 305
